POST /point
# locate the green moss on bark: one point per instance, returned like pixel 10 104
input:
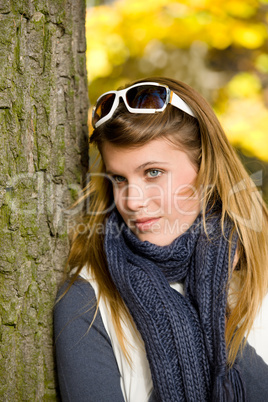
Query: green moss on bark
pixel 42 76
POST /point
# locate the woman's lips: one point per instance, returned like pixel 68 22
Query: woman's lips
pixel 145 223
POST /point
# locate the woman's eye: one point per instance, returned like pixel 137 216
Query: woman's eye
pixel 119 179
pixel 154 173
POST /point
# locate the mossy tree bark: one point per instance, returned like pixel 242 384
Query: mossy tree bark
pixel 43 145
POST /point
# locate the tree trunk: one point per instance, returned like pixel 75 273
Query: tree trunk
pixel 44 157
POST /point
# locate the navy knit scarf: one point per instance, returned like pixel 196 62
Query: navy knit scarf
pixel 183 335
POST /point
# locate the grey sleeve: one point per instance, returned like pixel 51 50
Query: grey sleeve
pixel 86 365
pixel 255 375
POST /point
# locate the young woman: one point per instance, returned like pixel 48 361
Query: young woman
pixel 168 267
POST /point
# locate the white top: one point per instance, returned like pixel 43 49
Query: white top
pixel 136 381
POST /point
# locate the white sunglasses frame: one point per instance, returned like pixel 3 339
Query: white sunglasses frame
pixel 172 98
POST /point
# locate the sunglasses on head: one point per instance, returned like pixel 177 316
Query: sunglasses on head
pixel 145 97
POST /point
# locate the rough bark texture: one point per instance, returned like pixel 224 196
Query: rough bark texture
pixel 43 146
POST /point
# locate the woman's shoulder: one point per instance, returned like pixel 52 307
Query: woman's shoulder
pixel 73 301
pixel 79 290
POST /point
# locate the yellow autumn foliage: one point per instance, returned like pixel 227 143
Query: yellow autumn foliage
pixel 127 37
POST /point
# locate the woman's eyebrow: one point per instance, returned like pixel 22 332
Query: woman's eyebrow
pixel 144 165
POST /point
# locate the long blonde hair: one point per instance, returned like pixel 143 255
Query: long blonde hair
pixel 221 177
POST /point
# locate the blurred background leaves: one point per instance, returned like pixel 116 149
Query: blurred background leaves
pixel 220 47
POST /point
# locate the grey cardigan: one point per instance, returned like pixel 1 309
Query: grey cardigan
pixel 86 365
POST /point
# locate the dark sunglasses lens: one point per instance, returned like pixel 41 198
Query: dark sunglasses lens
pixel 146 97
pixel 103 107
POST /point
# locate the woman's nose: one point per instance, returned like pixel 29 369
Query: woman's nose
pixel 135 197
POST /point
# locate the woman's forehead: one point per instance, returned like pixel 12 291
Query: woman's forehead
pixel 160 151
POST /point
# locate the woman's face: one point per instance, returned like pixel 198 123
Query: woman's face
pixel 153 187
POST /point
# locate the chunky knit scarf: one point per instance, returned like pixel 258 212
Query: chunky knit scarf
pixel 183 335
